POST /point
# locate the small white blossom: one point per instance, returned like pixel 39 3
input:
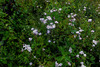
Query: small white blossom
pixel 34 56
pixel 92 30
pixel 81 52
pixel 48 31
pixel 40 33
pixel 32 28
pixel 45 13
pixel 77 56
pixel 93 45
pixel 56 21
pixel 49 18
pixel 81 30
pixel 82 63
pixel 68 16
pixel 30 39
pixel 43 49
pixel 30 63
pixel 27 47
pixel 77 32
pixel 95 42
pixel 35 31
pixel 49 41
pixel 53 41
pixel 89 20
pixel 60 9
pixel 84 55
pixel 69 63
pixel 70 50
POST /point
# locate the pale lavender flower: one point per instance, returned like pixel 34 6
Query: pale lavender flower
pixel 69 63
pixel 32 28
pixel 30 63
pixel 40 33
pixel 49 41
pixel 49 18
pixel 92 31
pixel 81 52
pixel 56 21
pixel 70 50
pixel 77 56
pixel 48 31
pixel 83 65
pixel 89 20
pixel 95 42
pixel 81 62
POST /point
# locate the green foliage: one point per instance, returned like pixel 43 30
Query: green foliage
pixel 62 44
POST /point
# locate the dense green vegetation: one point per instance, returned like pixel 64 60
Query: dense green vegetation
pixel 49 33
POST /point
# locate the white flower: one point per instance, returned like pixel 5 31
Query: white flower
pixel 56 64
pixel 34 56
pixel 27 47
pixel 81 52
pixel 40 33
pixel 77 32
pixel 43 49
pixel 32 28
pixel 60 9
pixel 30 63
pixel 69 63
pixel 92 30
pixel 45 13
pixel 81 30
pixel 56 21
pixel 82 63
pixel 80 38
pixel 44 21
pixel 49 41
pixel 84 55
pixel 48 31
pixel 89 20
pixel 68 16
pixel 30 39
pixel 70 50
pixel 41 19
pixel 49 18
pixel 51 26
pixel 77 56
pixel 95 42
pixel 78 9
pixel 51 11
pixel 35 31
pixel 53 41
pixel 60 64
pixel 93 45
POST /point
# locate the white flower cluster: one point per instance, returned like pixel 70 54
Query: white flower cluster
pixel 54 10
pixel 26 47
pixel 72 16
pixel 58 64
pixel 51 26
pixel 70 50
pixel 81 52
pixel 79 33
pixel 82 64
pixel 94 43
pixel 35 31
pixel 84 8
